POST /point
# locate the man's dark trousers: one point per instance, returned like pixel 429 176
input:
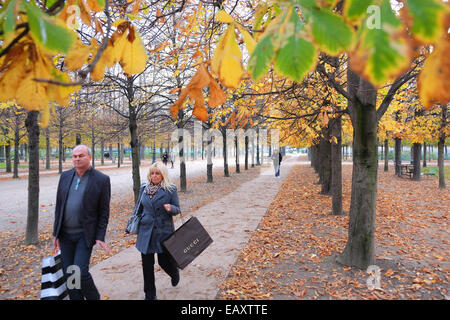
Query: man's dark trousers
pixel 74 251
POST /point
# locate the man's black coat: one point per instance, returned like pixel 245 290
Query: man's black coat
pixel 95 204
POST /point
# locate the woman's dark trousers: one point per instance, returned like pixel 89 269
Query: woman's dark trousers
pixel 148 266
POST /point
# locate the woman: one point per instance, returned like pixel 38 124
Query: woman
pixel 158 199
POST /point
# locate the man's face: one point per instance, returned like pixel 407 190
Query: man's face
pixel 81 158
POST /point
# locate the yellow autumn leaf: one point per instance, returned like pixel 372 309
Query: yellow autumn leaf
pixel 224 17
pixel 31 95
pixel 77 56
pixel 94 5
pixel 45 116
pixel 134 57
pixel 118 46
pixel 99 70
pixel 433 83
pixel 250 43
pixel 10 79
pixel 108 56
pixel 226 62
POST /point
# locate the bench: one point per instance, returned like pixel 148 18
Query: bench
pixel 431 172
pixel 406 170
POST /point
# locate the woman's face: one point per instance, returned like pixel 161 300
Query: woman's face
pixel 156 176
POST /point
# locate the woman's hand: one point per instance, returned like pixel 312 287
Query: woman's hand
pixel 167 207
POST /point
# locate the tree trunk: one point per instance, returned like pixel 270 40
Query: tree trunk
pixel 398 156
pixel 246 152
pixel 183 182
pixel 8 156
pixel 424 154
pixel 416 161
pixel 2 154
pixel 111 154
pixel 336 169
pixel 47 148
pixel 225 154
pixel 119 156
pixel 31 123
pixel 16 152
pixel 102 151
pixel 441 146
pixel 209 165
pixel 386 155
pixel 258 162
pixel 236 143
pixel 325 152
pixel 60 149
pixel 360 248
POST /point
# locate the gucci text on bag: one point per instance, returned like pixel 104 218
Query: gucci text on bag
pixel 191 245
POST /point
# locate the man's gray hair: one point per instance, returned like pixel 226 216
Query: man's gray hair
pixel 84 146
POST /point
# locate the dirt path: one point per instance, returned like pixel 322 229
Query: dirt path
pixel 230 221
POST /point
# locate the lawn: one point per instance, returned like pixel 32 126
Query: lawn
pixel 436 169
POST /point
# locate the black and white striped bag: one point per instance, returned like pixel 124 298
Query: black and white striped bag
pixel 53 284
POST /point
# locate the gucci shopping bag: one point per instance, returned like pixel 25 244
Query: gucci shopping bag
pixel 53 283
pixel 187 242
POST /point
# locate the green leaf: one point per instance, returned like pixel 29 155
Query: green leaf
pixel 273 38
pixel 49 32
pixel 101 3
pixel 261 57
pixel 427 19
pixel 356 8
pixel 10 21
pixel 298 55
pixel 330 31
pixel 385 57
pixel 50 3
pixel 388 16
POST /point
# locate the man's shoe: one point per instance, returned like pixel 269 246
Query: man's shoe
pixel 175 279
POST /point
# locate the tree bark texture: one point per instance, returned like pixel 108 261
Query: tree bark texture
pixel 31 123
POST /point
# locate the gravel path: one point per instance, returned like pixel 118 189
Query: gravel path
pixel 230 221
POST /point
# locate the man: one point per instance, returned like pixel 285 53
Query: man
pixel 276 157
pixel 81 218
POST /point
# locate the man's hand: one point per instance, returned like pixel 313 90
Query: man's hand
pixel 103 245
pixel 55 242
pixel 167 207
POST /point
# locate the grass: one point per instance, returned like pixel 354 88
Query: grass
pixel 436 169
pixel 3 165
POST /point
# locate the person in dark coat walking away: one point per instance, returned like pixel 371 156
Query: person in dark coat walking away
pixel 81 218
pixel 158 200
pixel 165 158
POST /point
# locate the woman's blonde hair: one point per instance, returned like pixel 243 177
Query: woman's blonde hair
pixel 159 166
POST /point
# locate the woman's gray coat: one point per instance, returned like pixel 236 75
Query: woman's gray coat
pixel 156 223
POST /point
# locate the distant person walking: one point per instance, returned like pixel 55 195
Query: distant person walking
pixel 81 218
pixel 165 158
pixel 158 200
pixel 276 158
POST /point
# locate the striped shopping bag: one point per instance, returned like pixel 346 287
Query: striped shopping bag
pixel 53 284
